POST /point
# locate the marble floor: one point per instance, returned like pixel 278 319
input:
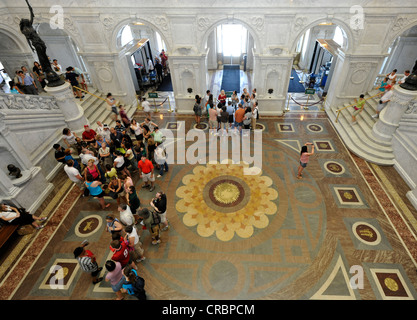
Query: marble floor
pixel 345 231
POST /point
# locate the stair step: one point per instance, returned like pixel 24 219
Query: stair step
pixel 357 144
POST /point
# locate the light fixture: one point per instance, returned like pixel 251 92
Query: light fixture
pixel 270 91
pixel 138 24
pixel 190 90
pixel 326 24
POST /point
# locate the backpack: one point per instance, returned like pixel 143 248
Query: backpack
pixel 137 288
pixel 257 114
pixel 156 218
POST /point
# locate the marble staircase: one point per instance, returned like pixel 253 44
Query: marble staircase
pixel 359 138
pixel 96 109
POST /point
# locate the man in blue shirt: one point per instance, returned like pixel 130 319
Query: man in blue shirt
pixel 28 83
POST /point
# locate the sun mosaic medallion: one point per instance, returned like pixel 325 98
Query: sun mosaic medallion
pixel 221 200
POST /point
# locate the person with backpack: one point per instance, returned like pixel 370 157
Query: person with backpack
pixel 151 221
pixel 134 284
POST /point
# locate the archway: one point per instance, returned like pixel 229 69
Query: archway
pixel 140 47
pixel 230 60
pixel 315 57
pixel 62 47
pixel 14 53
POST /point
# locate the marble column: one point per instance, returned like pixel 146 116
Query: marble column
pixel 391 115
pixel 72 111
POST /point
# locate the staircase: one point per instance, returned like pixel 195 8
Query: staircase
pixel 96 109
pixel 359 138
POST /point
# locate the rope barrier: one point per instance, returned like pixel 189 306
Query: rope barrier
pixel 305 105
pixel 154 105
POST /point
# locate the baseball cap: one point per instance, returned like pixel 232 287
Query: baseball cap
pixel 86 126
pixel 105 125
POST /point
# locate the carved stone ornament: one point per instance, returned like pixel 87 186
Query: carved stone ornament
pixel 185 51
pixel 276 51
pixel 300 23
pixel 411 107
pixel 203 23
pixel 258 23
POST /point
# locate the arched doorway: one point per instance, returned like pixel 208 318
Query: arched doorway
pixel 61 47
pixel 14 53
pixel 315 57
pixel 140 47
pixel 230 60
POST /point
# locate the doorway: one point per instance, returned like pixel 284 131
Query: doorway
pixel 232 42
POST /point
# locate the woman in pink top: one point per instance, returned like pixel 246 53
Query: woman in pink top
pixel 304 157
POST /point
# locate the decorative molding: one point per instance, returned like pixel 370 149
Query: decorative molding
pixel 300 22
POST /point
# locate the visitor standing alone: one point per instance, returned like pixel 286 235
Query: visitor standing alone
pixel 304 158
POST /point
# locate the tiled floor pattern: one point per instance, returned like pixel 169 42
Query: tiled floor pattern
pixel 335 234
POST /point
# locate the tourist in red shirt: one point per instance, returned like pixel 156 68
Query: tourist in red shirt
pixel 146 169
pixel 121 252
pixel 89 135
pixel 222 97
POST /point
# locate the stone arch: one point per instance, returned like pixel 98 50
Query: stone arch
pixel 343 26
pixel 118 28
pixel 18 38
pixel 214 25
pixel 398 32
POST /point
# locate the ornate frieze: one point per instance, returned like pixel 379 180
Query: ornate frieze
pixel 27 102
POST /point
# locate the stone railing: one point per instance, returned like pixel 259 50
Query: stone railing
pixel 381 77
pixel 27 102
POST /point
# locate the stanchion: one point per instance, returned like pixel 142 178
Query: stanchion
pixel 306 106
pixel 139 103
pixel 288 102
pixel 169 104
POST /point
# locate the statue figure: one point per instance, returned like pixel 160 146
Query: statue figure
pixel 36 43
pixel 14 171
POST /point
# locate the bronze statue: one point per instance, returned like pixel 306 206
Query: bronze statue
pixel 36 43
pixel 14 171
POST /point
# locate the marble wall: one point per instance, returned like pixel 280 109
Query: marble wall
pixel 275 28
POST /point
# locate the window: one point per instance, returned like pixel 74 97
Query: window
pixel 306 39
pixel 338 36
pixel 232 39
pixel 126 36
pixel 160 42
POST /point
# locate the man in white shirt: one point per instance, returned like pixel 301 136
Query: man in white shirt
pixel 384 100
pixel 126 216
pixel 406 74
pixel 85 156
pixel 74 175
pixel 146 107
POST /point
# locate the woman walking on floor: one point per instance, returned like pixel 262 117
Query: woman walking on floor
pixel 304 157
